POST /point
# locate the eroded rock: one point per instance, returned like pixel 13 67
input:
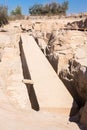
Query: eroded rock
pixel 75 79
pixel 82 24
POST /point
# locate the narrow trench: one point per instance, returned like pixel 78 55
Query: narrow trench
pixel 26 74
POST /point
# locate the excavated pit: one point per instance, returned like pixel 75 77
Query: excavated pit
pixel 78 101
pixel 50 119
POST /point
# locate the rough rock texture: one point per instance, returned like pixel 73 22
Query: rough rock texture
pixel 82 24
pixel 75 79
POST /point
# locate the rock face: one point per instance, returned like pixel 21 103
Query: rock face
pixel 75 78
pixel 82 24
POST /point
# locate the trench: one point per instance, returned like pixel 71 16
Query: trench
pixel 26 75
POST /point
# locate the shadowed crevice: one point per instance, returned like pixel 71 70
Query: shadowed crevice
pixel 26 74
